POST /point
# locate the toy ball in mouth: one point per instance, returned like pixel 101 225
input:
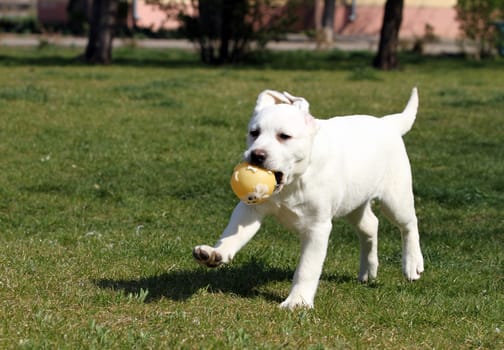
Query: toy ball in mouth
pixel 252 184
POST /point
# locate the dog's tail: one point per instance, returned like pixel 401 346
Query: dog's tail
pixel 404 121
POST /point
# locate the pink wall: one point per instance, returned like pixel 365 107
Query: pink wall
pixel 150 16
pixel 369 20
pixel 52 11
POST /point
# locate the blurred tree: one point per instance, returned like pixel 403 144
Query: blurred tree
pixel 477 21
pixel 78 16
pixel 324 22
pixel 225 29
pixel 386 58
pixel 328 19
pixel 103 22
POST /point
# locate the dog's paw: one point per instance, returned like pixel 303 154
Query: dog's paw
pixel 413 266
pixel 294 302
pixel 366 276
pixel 207 256
pixel 368 272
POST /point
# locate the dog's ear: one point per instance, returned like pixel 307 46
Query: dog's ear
pixel 268 98
pixel 304 106
pixel 271 97
pixel 299 102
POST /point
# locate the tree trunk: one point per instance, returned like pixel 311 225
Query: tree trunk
pixel 386 57
pixel 225 30
pixel 102 27
pixel 78 16
pixel 328 20
pixel 207 31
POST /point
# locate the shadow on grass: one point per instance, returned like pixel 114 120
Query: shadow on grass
pixel 62 60
pixel 244 280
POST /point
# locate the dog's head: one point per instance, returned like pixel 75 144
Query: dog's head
pixel 280 135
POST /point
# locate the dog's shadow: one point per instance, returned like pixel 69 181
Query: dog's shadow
pixel 244 280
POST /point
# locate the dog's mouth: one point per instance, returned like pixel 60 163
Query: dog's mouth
pixel 279 177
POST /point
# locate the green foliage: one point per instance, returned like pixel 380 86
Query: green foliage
pixel 19 25
pixel 225 29
pixel 110 175
pixel 477 21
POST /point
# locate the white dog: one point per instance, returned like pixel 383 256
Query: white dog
pixel 326 169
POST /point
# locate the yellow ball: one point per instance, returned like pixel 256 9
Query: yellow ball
pixel 252 184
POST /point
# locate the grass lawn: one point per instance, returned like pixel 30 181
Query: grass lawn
pixel 110 175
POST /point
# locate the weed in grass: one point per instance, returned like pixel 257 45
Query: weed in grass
pixel 238 339
pixel 365 73
pixel 30 93
pixel 99 335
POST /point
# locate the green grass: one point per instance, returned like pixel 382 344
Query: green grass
pixel 110 175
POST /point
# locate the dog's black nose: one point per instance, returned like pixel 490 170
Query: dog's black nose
pixel 258 157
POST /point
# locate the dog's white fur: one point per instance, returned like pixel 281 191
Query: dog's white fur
pixel 331 168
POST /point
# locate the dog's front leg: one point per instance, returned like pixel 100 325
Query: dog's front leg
pixel 313 252
pixel 243 225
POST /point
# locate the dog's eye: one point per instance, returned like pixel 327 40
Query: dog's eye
pixel 284 137
pixel 254 133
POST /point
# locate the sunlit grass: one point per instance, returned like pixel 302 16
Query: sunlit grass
pixel 110 175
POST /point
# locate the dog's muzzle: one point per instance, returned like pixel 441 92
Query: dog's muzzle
pixel 258 158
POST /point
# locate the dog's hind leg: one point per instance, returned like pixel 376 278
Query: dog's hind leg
pixel 398 206
pixel 366 223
